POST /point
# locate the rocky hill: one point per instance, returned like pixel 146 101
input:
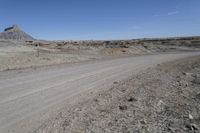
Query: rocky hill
pixel 15 33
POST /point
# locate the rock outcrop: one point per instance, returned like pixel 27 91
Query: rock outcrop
pixel 15 33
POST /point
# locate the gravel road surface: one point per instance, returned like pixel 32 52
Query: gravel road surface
pixel 30 98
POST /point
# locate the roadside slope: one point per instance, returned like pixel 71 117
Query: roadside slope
pixel 161 99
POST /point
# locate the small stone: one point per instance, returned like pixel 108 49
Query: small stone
pixel 188 126
pixel 131 99
pixel 115 82
pixel 183 73
pixel 96 100
pixel 191 127
pixel 143 122
pixel 187 74
pixel 194 126
pixel 172 130
pixel 123 107
pixel 190 117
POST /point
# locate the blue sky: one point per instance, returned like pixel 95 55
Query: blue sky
pixel 102 19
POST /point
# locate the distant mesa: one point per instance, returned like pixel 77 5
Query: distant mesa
pixel 15 33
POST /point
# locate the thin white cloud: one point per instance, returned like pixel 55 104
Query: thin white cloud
pixel 168 14
pixel 172 13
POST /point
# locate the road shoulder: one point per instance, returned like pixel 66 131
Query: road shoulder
pixel 161 99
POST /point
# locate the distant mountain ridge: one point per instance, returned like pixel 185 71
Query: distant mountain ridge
pixel 15 33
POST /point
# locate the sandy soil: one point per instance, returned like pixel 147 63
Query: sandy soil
pixel 18 55
pixel 19 60
pixel 161 99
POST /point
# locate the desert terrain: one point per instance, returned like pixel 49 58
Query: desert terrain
pixel 17 54
pixel 31 98
pixel 164 98
pixel 139 85
pixel 99 66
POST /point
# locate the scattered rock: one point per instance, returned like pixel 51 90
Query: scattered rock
pixel 187 74
pixel 65 124
pixel 194 126
pixel 115 82
pixel 162 105
pixel 123 107
pixel 143 122
pixel 96 100
pixel 191 127
pixel 190 117
pixel 132 99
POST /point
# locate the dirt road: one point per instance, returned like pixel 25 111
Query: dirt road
pixel 29 98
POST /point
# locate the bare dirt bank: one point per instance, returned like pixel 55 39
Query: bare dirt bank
pixel 161 99
pixel 16 54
